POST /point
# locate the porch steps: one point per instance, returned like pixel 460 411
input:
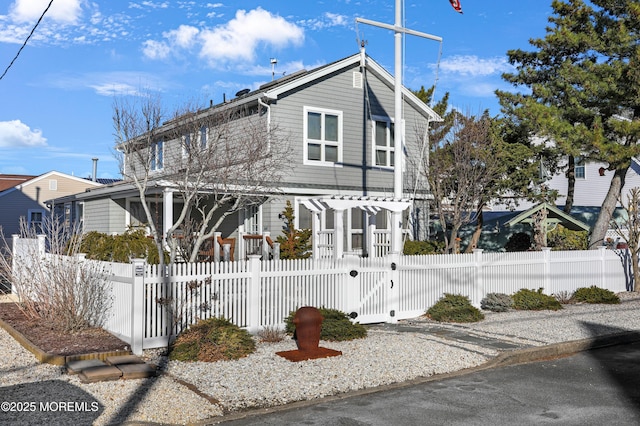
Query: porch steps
pixel 113 368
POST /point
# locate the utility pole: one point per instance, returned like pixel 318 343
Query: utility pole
pixel 398 29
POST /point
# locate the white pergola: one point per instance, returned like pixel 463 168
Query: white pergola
pixel 371 205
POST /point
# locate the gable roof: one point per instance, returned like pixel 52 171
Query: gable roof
pixel 47 175
pixel 274 89
pixel 554 215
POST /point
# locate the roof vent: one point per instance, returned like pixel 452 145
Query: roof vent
pixel 242 92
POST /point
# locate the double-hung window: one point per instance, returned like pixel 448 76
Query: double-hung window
pixel 203 137
pixel 322 136
pixel 186 145
pixel 35 220
pixel 157 154
pixel 579 167
pixel 383 142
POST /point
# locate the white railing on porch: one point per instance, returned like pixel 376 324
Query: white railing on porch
pixel 151 306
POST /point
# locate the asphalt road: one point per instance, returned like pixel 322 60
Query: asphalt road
pixel 598 387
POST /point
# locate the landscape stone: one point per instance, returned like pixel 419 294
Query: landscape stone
pixel 76 367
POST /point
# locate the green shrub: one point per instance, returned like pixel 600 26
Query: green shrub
pixel 531 300
pixel 423 247
pixel 120 248
pixel 454 308
pixel 294 243
pixel 562 238
pixel 595 294
pixel 496 302
pixel 210 340
pixel 336 326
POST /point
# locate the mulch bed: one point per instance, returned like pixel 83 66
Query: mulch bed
pixel 56 343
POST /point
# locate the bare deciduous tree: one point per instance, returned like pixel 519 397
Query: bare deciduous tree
pixel 629 230
pixel 215 160
pixel 462 168
pixel 59 286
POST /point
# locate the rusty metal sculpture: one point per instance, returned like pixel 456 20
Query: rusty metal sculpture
pixel 308 322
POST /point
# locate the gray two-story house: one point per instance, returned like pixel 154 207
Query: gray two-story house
pixel 338 175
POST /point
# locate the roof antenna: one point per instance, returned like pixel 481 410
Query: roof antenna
pixel 274 61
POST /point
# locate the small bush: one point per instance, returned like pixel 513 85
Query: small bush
pixel 531 300
pixel 454 308
pixel 336 326
pixel 562 238
pixel 423 247
pixel 595 294
pixel 211 340
pixel 496 302
pixel 271 334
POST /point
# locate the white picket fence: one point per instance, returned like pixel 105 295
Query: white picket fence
pixel 150 306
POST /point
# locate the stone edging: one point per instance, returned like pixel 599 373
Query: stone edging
pixel 48 358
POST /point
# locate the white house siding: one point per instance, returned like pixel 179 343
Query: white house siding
pixel 589 191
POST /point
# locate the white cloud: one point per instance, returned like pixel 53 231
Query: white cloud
pixel 149 5
pixel 110 83
pixel 471 65
pixel 63 11
pixel 15 134
pixel 240 37
pixel 326 21
pixel 183 37
pixel 156 49
pixel 235 41
pixel 114 89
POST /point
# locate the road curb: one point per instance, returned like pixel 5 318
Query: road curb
pixel 557 350
pixel 512 357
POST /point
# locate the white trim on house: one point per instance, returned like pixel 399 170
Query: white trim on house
pixel 350 61
pixel 46 176
pixel 322 143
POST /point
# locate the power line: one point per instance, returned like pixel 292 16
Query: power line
pixel 27 39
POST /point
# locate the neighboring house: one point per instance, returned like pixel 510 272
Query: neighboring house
pixel 9 181
pixel 28 199
pixel 591 186
pixel 339 118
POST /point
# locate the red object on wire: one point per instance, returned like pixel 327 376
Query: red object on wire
pixel 456 5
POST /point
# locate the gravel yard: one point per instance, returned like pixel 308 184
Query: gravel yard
pixel 188 392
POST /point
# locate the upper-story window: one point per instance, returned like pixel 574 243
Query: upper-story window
pixel 186 145
pixel 383 142
pixel 579 167
pixel 203 137
pixel 322 136
pixel 157 155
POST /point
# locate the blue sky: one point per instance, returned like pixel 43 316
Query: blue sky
pixel 56 99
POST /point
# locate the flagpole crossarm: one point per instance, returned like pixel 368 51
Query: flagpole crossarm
pixel 398 29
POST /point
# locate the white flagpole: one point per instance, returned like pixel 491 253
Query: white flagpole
pixel 396 217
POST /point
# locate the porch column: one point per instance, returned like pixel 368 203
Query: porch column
pixel 338 233
pixel 396 232
pixel 315 232
pixel 167 213
pixel 371 228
